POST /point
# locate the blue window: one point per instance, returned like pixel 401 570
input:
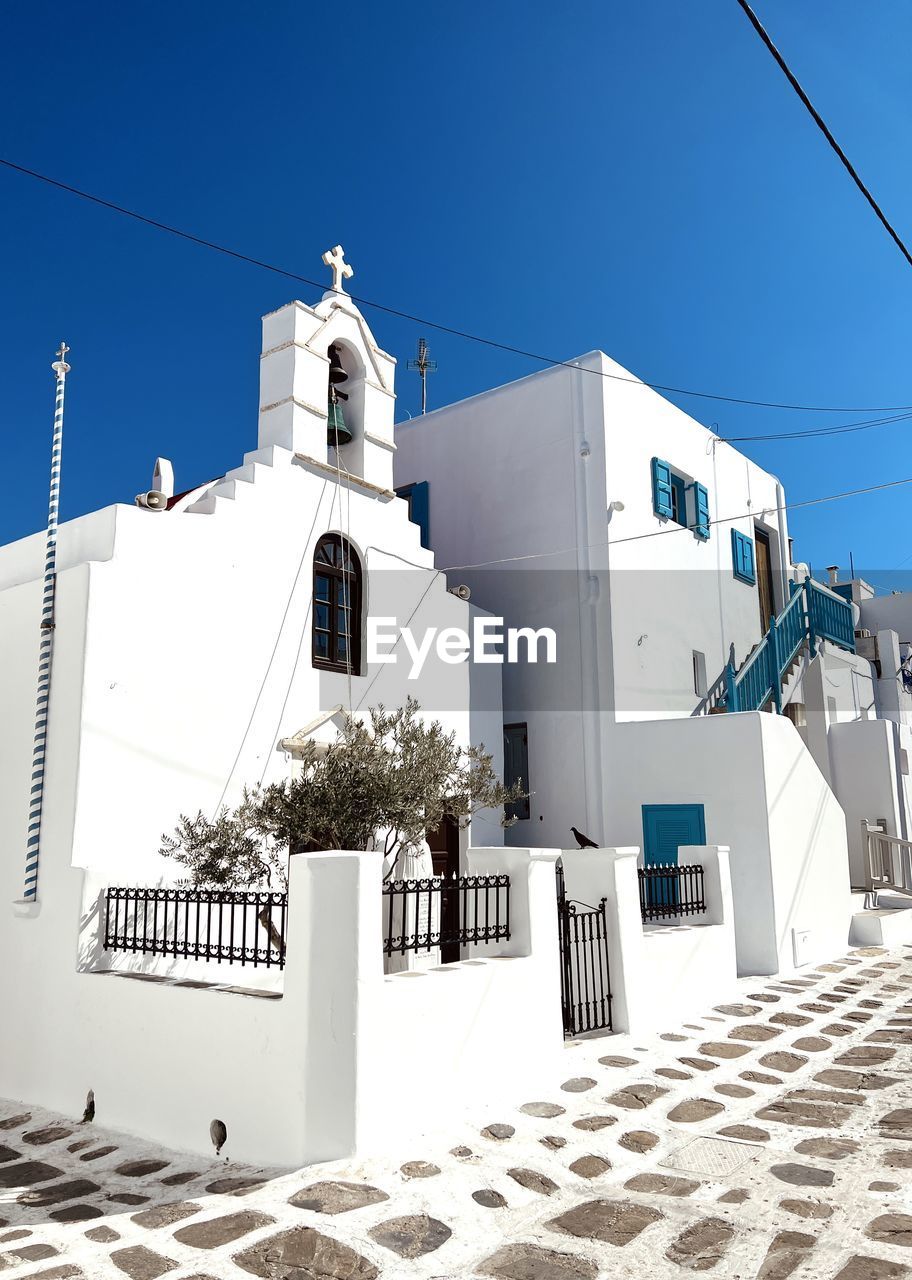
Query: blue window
pixel 417 496
pixel 743 562
pixel 676 498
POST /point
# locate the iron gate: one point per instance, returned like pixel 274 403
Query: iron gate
pixel 585 985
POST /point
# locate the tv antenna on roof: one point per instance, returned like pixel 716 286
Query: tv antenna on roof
pixel 424 367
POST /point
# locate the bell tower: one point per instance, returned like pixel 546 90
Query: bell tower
pixel 326 388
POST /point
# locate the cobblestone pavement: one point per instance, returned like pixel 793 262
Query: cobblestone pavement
pixel 770 1138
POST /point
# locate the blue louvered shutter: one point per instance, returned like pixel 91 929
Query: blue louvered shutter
pixel 701 511
pixel 743 557
pixel 661 488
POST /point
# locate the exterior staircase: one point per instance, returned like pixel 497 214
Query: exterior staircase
pixel 881 909
pixel 771 670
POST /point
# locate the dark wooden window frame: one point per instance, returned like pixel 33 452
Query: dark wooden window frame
pixel 521 809
pixel 342 574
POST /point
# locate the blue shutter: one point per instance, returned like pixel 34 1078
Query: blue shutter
pixel 743 557
pixel 701 511
pixel 661 488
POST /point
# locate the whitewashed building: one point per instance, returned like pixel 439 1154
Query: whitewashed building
pixel 580 499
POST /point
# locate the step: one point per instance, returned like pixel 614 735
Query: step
pixel 882 927
pixel 894 899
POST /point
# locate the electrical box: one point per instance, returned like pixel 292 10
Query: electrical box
pixel 801 946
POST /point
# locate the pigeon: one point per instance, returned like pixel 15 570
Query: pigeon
pixel 89 1114
pixel 219 1135
pixel 582 840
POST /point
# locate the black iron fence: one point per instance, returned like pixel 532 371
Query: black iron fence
pixel 667 891
pixel 423 915
pixel 585 981
pixel 236 927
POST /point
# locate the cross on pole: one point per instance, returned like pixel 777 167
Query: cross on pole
pixel 335 260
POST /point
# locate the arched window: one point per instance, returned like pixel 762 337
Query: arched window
pixel 336 606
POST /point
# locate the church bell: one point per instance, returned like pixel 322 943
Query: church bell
pixel 337 433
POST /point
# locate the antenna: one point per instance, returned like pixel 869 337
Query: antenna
pixel 424 367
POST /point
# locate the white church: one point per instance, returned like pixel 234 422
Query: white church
pixel 711 709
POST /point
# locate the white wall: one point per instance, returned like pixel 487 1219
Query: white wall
pixel 766 800
pixel 866 765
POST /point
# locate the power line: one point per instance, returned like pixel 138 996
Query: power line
pixel 679 528
pixel 821 125
pixel 432 324
pixel 864 425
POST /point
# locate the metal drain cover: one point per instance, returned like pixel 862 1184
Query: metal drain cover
pixel 714 1157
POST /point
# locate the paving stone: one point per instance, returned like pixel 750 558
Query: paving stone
pixel 807 1208
pixel 702 1245
pixel 8 1153
pixel 883 1186
pixel 615 1222
pixel 672 1073
pixel 765 997
pixel 738 1010
pixel 59 1192
pixel 638 1140
pixel 755 1032
pixel 724 1049
pixel 897 1159
pixel 661 1184
pixel 163 1215
pixel 692 1110
pixel 80 1145
pixel 734 1090
pixel 837 1029
pixel 895 1124
pixel 827 1148
pixel 616 1060
pixel 839 1097
pixel 579 1084
pixel 51 1133
pixel 802 1175
pixel 26 1173
pixel 461 1153
pixel 140 1168
pixel 16 1122
pixel 533 1181
pixel 489 1199
pixel 816 1007
pixel 218 1231
pixel 812 1044
pixel 891 1228
pixel 786 1253
pixel 865 1055
pixel 737 1195
pixel 128 1197
pixel 668 1035
pixel 636 1096
pixel 699 1064
pixel 591 1124
pixel 33 1252
pixel 140 1263
pixel 829 968
pixel 178 1179
pixel 806 1115
pixel 553 1142
pixel 337 1197
pixel 531 1262
pixel 760 1077
pixel 102 1235
pixel 15 1235
pixel 303 1253
pixel 411 1236
pixel 589 1167
pixel 98 1153
pixel 862 1268
pixel 233 1186
pixel 782 1060
pixel 77 1213
pixel 854 1016
pixel 544 1110
pixel 791 1019
pixel 839 1078
pixel 419 1169
pixel 498 1132
pixel 745 1133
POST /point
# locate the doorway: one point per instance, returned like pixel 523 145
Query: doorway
pixel 666 826
pixel 764 579
pixel 444 846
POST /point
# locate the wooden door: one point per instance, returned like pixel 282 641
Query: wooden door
pixel 444 846
pixel 764 579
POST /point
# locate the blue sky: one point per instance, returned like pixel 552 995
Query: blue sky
pixel 635 177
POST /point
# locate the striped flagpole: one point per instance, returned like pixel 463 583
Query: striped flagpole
pixel 45 652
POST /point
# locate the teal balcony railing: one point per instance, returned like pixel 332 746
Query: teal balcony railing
pixel 812 614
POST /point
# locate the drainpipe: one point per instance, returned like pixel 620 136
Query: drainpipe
pixel 46 645
pixel 783 545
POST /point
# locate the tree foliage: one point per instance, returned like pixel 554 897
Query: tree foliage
pixel 381 785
